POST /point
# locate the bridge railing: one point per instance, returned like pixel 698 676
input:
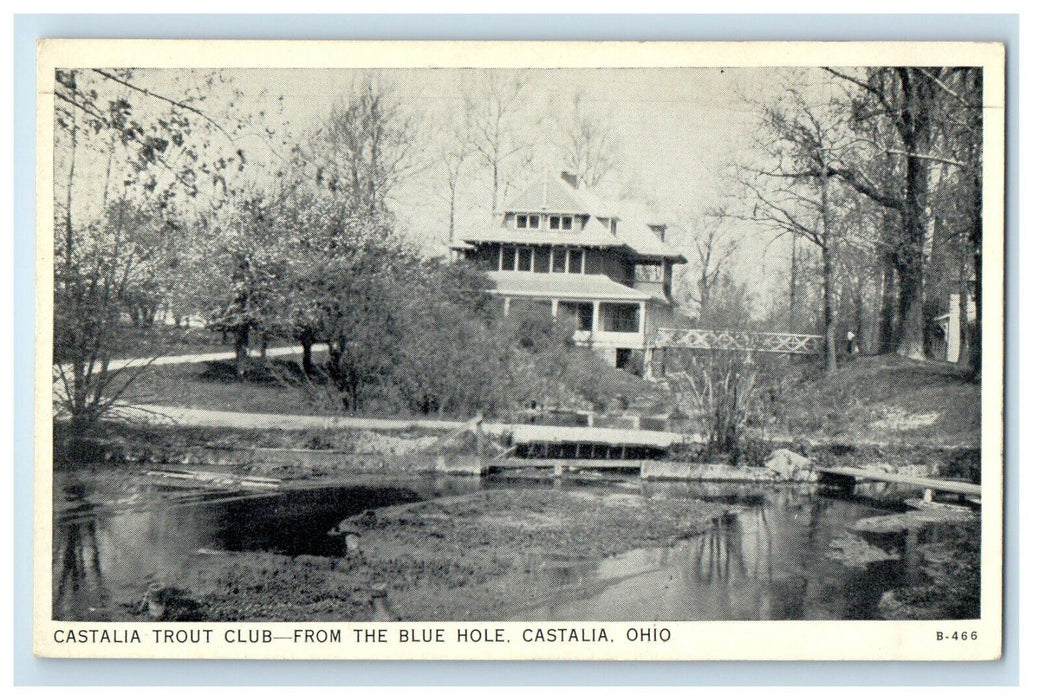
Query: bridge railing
pixel 748 341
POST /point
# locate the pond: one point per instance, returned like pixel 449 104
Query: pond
pixel 770 557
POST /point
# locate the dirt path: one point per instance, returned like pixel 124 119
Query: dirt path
pixel 195 358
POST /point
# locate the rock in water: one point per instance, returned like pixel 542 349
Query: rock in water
pixel 168 604
pixel 787 464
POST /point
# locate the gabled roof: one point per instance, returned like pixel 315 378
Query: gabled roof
pixel 563 286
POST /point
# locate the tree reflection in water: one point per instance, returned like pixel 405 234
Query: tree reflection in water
pixel 753 563
pixel 79 588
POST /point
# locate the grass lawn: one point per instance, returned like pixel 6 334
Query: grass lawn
pixel 163 340
pixel 213 385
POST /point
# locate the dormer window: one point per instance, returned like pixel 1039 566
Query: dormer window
pixel 528 221
pixel 561 223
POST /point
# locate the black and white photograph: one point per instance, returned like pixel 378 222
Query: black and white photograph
pixel 556 349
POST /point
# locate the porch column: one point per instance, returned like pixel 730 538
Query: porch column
pixel 595 320
pixel 642 319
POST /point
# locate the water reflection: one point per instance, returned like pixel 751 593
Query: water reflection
pixel 768 558
pixel 766 561
pixel 155 532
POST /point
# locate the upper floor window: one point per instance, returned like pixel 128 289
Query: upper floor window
pixel 561 223
pixel 575 260
pixel 528 221
pixel 516 259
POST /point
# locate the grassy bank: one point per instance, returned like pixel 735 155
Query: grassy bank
pixel 880 400
pixel 279 386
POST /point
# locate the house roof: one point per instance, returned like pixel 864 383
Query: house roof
pixel 551 194
pixel 563 286
pixel 556 195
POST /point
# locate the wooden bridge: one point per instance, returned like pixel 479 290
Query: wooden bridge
pixel 743 341
pixel 845 478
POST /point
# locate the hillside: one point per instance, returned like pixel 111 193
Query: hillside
pixel 882 400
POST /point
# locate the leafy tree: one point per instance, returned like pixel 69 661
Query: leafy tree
pixel 123 159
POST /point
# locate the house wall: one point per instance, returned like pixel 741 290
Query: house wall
pixel 618 269
pixel 658 316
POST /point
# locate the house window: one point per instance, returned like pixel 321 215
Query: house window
pixel 532 221
pixel 648 273
pixel 577 312
pixel 508 257
pixel 619 318
pixel 521 221
pixel 575 258
pixel 566 223
pixel 542 259
pixel 593 262
pixel 554 223
pixel 559 259
pixel 524 258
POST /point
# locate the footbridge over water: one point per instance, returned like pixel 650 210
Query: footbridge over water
pixel 738 341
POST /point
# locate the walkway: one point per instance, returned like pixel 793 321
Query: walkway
pixel 205 357
pixel 206 418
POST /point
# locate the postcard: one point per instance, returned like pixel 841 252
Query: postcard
pixel 519 350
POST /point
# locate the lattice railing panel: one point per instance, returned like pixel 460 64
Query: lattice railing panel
pixel 703 339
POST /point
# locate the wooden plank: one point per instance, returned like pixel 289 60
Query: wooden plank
pixel 944 485
pixel 215 478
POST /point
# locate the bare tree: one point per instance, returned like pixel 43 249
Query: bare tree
pixel 452 156
pixel 365 147
pixel 494 104
pixel 712 246
pixel 586 141
pixel 794 195
pixel 905 97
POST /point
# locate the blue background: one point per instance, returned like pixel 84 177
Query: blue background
pixel 28 28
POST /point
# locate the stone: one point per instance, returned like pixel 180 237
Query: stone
pixel 787 464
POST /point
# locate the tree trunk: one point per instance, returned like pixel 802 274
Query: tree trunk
pixel 241 350
pixel 915 131
pixel 828 274
pixel 306 339
pixel 791 325
pixel 910 262
pixel 887 313
pixel 975 350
